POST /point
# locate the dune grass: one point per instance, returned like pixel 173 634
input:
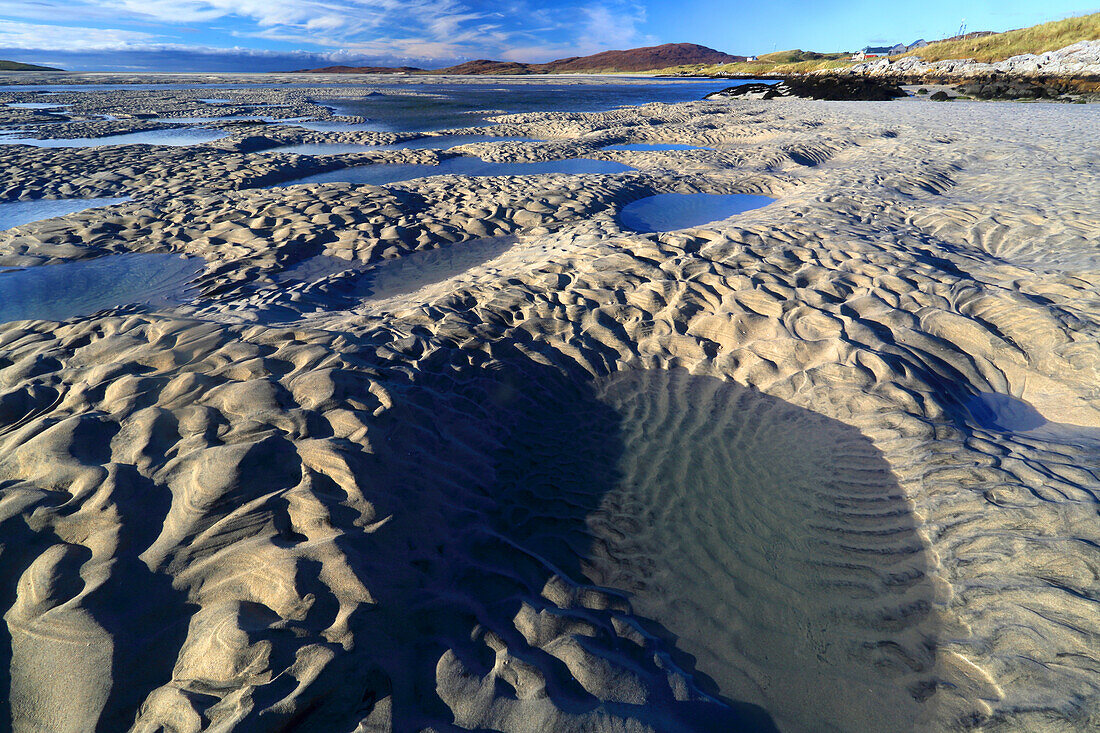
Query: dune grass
pixel 1000 46
pixel 997 47
pixel 794 61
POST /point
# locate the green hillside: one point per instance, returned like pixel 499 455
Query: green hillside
pixel 16 66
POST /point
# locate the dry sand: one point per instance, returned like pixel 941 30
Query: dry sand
pixel 826 465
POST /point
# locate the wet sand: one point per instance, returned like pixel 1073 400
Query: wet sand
pixel 824 465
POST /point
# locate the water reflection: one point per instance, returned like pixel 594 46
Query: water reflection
pixel 17 213
pixel 670 211
pixel 57 292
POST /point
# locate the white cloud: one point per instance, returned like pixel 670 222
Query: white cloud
pixel 414 29
pixel 16 34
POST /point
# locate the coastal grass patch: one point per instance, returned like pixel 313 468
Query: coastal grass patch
pixel 1000 46
pixel 795 61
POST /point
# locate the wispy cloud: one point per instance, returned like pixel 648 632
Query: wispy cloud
pixel 535 30
pixel 17 34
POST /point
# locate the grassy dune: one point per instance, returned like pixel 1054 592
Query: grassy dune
pixel 795 61
pixel 997 47
pixel 1000 46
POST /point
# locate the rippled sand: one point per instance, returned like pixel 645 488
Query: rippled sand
pixel 824 465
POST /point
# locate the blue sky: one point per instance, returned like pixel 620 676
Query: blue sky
pixel 278 35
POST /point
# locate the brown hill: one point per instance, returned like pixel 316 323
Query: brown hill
pixel 635 59
pixel 645 59
pixel 485 66
pixel 360 70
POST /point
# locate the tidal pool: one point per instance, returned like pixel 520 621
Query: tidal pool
pixel 17 213
pixel 417 269
pixel 69 289
pixel 174 137
pixel 35 105
pixel 439 142
pixel 667 212
pixel 655 146
pixel 404 274
pixel 384 173
pixel 231 118
pixel 336 126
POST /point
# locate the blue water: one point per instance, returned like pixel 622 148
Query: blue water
pixel 69 289
pixel 17 213
pixel 335 126
pixel 668 212
pixel 655 146
pixel 392 277
pixel 469 105
pixel 438 142
pixel 174 137
pixel 230 118
pixel 34 105
pixel 417 269
pixel 324 148
pixel 382 174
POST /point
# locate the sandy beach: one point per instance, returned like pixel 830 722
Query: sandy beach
pixel 825 465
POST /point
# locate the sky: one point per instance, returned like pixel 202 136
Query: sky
pixel 283 35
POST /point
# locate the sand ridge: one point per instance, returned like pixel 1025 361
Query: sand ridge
pixel 722 478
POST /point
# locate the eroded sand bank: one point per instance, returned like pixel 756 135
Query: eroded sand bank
pixel 825 465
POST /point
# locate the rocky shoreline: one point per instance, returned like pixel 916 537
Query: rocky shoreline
pixel 1070 74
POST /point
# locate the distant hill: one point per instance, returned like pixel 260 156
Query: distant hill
pixel 361 70
pixel 16 66
pixel 635 59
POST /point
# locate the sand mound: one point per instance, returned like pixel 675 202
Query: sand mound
pixel 825 464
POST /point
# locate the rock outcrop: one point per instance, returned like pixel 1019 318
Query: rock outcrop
pixel 817 87
pixel 1079 60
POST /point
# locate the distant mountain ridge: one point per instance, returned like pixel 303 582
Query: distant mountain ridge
pixel 635 59
pixel 17 66
pixel 361 70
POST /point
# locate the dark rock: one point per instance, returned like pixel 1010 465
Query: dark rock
pixel 253 143
pixel 941 96
pixel 748 91
pixel 817 87
pixel 1008 88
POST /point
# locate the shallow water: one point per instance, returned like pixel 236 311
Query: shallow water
pixel 418 269
pixel 388 278
pixel 468 105
pixel 58 292
pixel 326 126
pixel 438 142
pixel 324 149
pixel 231 118
pixel 35 105
pixel 317 267
pixel 17 213
pixel 655 146
pixel 667 212
pixel 382 174
pixel 175 138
